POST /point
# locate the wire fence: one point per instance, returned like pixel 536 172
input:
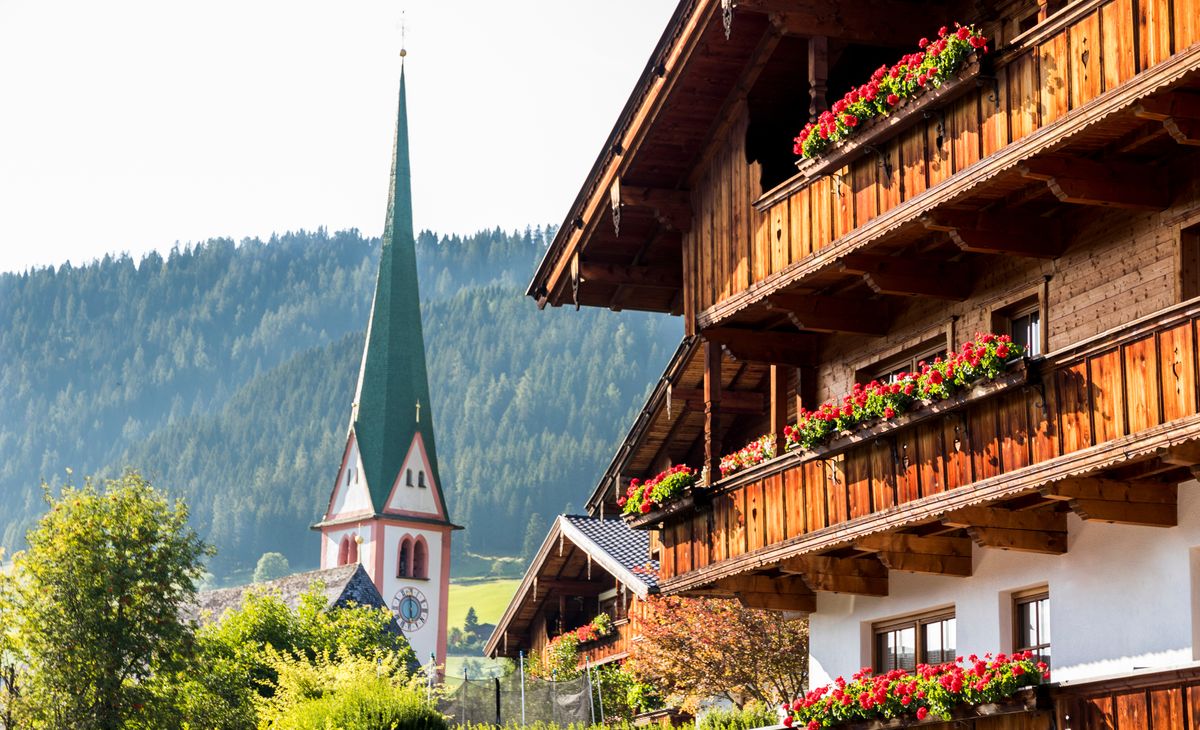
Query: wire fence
pixel 516 698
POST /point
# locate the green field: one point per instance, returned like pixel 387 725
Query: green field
pixel 489 599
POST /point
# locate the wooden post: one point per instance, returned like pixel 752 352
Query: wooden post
pixel 712 409
pixel 562 612
pixel 806 388
pixel 779 396
pixel 818 75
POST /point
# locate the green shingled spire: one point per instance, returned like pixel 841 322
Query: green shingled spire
pixel 392 401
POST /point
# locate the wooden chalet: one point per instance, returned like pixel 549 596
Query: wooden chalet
pixel 586 566
pixel 1049 191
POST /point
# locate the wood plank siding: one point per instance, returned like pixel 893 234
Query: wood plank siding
pixel 1131 380
pixel 741 237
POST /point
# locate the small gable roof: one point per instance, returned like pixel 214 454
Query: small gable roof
pixel 344 585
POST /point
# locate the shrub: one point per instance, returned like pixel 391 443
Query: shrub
pixel 752 715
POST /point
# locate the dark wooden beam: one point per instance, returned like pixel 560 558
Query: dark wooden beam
pixel 911 277
pixel 1133 502
pixel 859 576
pixel 780 394
pixel 1000 234
pixel 712 410
pixel 817 313
pixel 656 277
pixel 818 75
pixel 882 23
pixel 787 348
pixel 572 587
pixel 672 208
pixel 1179 112
pixel 1110 184
pixel 1037 531
pixel 785 593
pixel 940 555
pixel 732 401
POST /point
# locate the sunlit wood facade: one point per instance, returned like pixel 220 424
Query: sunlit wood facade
pixel 1052 185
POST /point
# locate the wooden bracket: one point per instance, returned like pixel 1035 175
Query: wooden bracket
pixel 781 348
pixel 1036 531
pixel 661 277
pixel 816 313
pixel 672 208
pixel 859 576
pixel 940 555
pixel 786 593
pixel 1131 502
pixel 995 234
pixel 911 277
pixel 1179 113
pixel 732 401
pixel 1110 184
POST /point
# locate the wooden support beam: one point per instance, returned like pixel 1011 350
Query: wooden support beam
pixel 712 410
pixel 1109 184
pixel 672 208
pixel 996 234
pixel 788 348
pixel 658 277
pixel 817 313
pixel 859 576
pixel 818 75
pixel 732 401
pixel 940 555
pixel 1179 112
pixel 779 406
pixel 911 277
pixel 786 593
pixel 1038 531
pixel 572 587
pixel 1133 502
pixel 886 23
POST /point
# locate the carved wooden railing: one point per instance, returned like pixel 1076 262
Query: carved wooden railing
pixel 740 239
pixel 1115 385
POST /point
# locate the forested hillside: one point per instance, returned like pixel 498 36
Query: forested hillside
pixel 226 372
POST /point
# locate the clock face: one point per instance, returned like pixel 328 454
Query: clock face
pixel 411 609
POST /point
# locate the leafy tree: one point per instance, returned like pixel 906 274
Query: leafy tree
pixel 694 648
pixel 271 566
pixel 95 603
pixel 621 694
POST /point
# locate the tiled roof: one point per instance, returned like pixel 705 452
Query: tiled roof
pixel 344 584
pixel 628 548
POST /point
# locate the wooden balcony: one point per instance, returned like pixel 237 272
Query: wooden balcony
pixel 613 647
pixel 1068 85
pixel 1105 428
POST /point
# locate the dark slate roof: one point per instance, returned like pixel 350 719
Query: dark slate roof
pixel 344 584
pixel 629 549
pixel 393 380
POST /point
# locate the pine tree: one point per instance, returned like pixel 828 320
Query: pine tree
pixel 534 534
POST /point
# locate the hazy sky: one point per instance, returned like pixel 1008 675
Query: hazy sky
pixel 127 126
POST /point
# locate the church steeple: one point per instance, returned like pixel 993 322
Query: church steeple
pixel 392 404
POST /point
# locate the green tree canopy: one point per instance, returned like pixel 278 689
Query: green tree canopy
pixel 271 566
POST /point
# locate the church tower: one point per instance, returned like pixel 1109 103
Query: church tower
pixel 387 510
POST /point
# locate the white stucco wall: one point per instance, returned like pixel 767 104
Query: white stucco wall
pixel 350 496
pixel 414 498
pixel 424 640
pixel 1122 598
pixel 333 541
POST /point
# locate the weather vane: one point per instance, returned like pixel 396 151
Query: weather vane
pixel 403 33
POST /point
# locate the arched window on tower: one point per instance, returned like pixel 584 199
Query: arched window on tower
pixel 404 560
pixel 408 482
pixel 353 556
pixel 421 479
pixel 420 559
pixel 344 551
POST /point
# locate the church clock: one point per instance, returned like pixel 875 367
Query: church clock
pixel 411 608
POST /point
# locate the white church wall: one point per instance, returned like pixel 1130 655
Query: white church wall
pixel 351 495
pixel 332 542
pixel 409 496
pixel 1121 598
pixel 425 639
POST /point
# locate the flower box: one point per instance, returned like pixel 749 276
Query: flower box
pixel 1025 700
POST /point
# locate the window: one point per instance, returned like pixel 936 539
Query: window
pixel 420 559
pixel 404 560
pixel 1031 617
pixel 1189 263
pixel 421 479
pixel 889 370
pixel 408 478
pixel 344 551
pixel 925 639
pixel 1026 330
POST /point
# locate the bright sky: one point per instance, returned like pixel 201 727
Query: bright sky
pixel 129 125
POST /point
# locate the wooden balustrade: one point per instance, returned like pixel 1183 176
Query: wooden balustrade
pixel 1125 382
pixel 741 237
pixel 609 648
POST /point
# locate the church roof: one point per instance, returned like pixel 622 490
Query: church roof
pixel 392 403
pixel 344 584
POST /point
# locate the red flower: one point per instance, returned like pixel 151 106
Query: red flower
pixel 850 120
pixel 922 713
pixel 814 725
pixel 888 412
pixel 922 79
pixel 978 41
pixel 963 33
pixel 787 721
pixel 923 42
pixel 943 31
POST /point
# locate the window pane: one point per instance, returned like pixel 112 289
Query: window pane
pixel 1026 625
pixel 1043 613
pixel 939 641
pixel 906 648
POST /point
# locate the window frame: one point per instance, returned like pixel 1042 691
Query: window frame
pixel 905 360
pixel 1021 304
pixel 917 622
pixel 1024 598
